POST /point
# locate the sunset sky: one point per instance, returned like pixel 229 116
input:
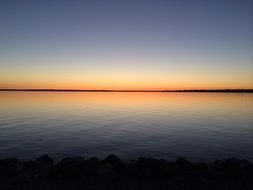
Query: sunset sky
pixel 126 44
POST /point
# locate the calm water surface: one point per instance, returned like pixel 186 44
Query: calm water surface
pixel 198 126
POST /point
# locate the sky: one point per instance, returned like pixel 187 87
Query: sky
pixel 126 45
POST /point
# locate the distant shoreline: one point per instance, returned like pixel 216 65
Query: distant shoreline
pixel 80 90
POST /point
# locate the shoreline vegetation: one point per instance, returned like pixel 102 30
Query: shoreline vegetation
pixel 189 90
pixel 111 173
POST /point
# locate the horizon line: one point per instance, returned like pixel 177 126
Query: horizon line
pixel 106 90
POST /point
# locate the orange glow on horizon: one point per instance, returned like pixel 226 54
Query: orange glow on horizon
pixel 125 81
pixel 124 85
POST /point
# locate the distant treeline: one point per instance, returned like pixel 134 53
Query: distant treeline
pixel 216 90
pixel 191 90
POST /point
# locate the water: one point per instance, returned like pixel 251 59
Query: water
pixel 198 126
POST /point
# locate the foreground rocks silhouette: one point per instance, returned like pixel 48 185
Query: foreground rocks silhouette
pixel 111 173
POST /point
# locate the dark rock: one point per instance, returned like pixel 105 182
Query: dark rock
pixel 36 170
pixel 230 167
pixel 152 167
pixel 189 183
pixel 184 164
pixel 200 166
pixel 93 163
pixel 73 160
pixel 112 162
pixel 111 173
pixel 9 166
pixel 112 159
pixel 71 166
pixel 45 159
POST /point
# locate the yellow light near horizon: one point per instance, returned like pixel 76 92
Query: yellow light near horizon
pixel 125 80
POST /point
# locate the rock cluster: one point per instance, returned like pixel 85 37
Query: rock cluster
pixel 111 173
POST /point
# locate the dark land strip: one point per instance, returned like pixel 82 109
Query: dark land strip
pixel 192 90
pixel 111 173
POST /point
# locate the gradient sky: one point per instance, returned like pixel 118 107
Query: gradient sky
pixel 133 44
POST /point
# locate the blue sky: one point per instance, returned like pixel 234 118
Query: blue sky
pixel 126 44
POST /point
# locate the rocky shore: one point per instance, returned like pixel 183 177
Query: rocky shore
pixel 111 173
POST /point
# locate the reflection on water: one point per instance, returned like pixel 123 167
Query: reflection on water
pixel 199 126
